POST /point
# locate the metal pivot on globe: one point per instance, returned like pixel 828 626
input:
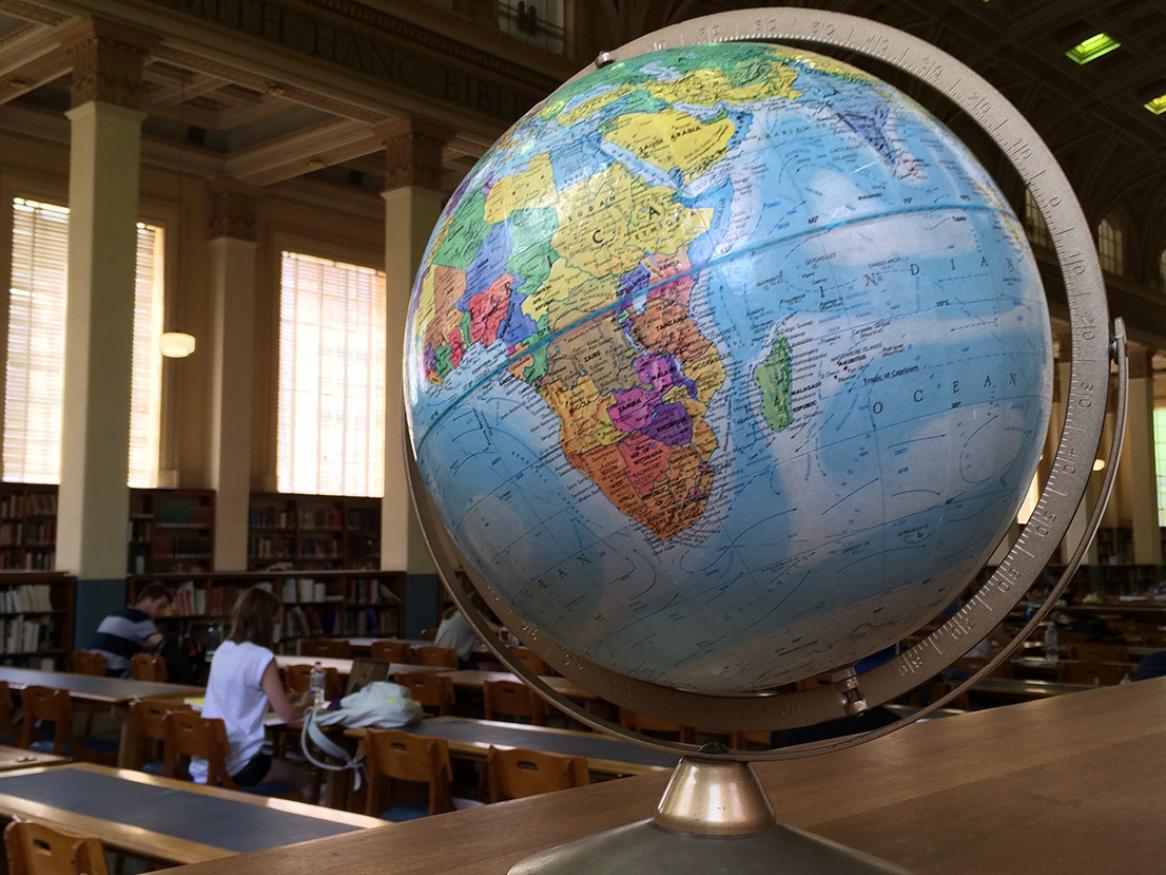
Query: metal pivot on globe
pixel 729 365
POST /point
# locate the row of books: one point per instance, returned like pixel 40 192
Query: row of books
pixel 371 592
pixel 271 546
pixel 269 517
pixel 181 513
pixel 32 504
pixel 25 636
pixel 314 622
pixel 38 560
pixel 30 534
pixel 321 518
pixel 177 546
pixel 319 547
pixel 28 598
pixel 304 589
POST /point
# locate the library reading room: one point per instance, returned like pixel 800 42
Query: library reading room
pixel 796 505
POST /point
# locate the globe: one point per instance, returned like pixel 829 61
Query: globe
pixel 727 365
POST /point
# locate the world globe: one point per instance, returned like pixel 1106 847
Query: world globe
pixel 727 365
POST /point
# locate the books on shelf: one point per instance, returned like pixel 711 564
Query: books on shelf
pixel 25 636
pixel 29 598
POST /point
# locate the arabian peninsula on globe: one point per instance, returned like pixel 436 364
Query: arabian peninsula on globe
pixel 728 364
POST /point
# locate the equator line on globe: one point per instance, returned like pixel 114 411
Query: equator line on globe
pixel 727 365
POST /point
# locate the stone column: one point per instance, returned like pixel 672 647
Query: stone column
pixel 1137 460
pixel 413 200
pixel 232 271
pixel 105 130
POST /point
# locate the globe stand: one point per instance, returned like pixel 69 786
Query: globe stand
pixel 714 816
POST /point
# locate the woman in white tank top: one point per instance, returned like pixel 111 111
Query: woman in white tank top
pixel 244 683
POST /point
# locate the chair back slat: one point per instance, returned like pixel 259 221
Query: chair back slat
pixel 391 651
pixel 299 680
pixel 7 727
pixel 531 660
pixel 504 699
pixel 393 755
pixel 649 725
pixel 35 848
pixel 517 773
pixel 148 667
pixel 442 657
pixel 329 647
pixel 87 662
pixel 45 705
pixel 189 734
pixel 148 728
pixel 431 689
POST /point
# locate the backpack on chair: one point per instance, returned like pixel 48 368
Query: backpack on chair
pixel 185 659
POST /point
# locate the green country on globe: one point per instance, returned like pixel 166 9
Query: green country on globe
pixel 727 365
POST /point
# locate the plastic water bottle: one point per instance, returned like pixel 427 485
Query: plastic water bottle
pixel 316 684
pixel 1051 653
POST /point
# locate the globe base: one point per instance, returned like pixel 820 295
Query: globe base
pixel 714 817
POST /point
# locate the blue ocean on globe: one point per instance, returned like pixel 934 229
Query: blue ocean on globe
pixel 727 365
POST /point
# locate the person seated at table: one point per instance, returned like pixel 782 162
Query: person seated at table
pixel 244 684
pixel 125 633
pixel 456 633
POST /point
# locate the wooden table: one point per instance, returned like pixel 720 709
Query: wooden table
pixel 1041 665
pixel 1069 784
pixel 473 739
pixel 18 758
pixel 344 666
pixel 475 679
pixel 1024 688
pixel 162 819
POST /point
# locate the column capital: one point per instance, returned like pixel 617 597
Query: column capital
pixel 107 59
pixel 232 209
pixel 413 153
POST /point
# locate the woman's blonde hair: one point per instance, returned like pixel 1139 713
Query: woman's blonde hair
pixel 253 617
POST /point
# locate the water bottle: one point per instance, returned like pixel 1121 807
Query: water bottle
pixel 316 684
pixel 1051 653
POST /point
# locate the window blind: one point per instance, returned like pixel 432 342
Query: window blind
pixel 35 366
pixel 330 432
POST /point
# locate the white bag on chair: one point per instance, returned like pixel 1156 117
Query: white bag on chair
pixel 380 704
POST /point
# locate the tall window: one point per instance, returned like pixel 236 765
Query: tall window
pixel 1110 247
pixel 35 366
pixel 1160 460
pixel 331 416
pixel 1034 221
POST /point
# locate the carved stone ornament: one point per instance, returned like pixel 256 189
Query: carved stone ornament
pixel 107 61
pixel 232 209
pixel 413 154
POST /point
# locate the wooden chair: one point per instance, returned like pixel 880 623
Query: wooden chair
pixel 7 727
pixel 147 734
pixel 148 667
pixel 1099 674
pixel 87 662
pixel 431 689
pixel 43 705
pixel 299 680
pixel 428 635
pixel 1099 652
pixel 189 734
pixel 513 699
pixel 38 849
pixel 394 756
pixel 330 647
pixel 516 773
pixel 653 726
pixel 442 657
pixel 391 651
pixel 531 660
pixel 750 739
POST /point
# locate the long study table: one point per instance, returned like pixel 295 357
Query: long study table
pixel 474 738
pixel 474 680
pixel 1065 784
pixel 344 666
pixel 162 819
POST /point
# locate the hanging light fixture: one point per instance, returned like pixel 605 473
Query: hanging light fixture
pixel 179 344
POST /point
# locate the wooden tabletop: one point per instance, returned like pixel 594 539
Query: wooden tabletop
pixel 90 688
pixel 344 666
pixel 562 686
pixel 163 819
pixel 19 758
pixel 1069 784
pixel 1026 688
pixel 474 738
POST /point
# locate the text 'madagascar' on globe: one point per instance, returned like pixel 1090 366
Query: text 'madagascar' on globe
pixel 728 364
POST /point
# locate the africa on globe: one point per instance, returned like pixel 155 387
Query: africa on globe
pixel 727 365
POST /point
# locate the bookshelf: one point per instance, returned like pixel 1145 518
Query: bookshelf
pixel 36 617
pixel 28 526
pixel 171 530
pixel 316 604
pixel 313 532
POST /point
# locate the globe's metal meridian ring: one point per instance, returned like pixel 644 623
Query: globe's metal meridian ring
pixel 1071 467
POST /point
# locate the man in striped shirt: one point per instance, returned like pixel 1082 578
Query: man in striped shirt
pixel 127 632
